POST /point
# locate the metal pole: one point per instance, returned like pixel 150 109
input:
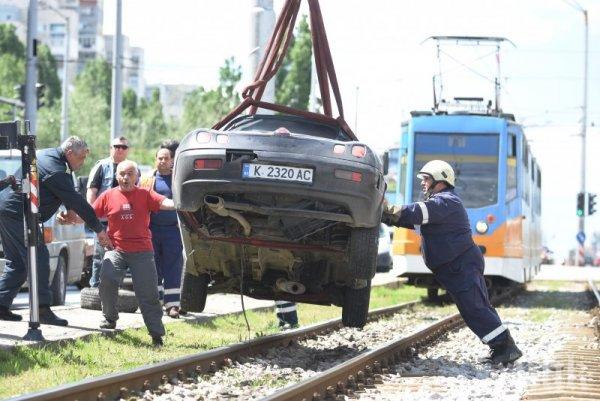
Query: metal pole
pixel 64 120
pixel 584 127
pixel 117 78
pixel 31 66
pixel 498 78
pixel 31 197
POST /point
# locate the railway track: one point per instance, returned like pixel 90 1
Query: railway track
pixel 123 385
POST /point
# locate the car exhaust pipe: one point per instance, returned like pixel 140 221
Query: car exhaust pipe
pixel 292 287
pixel 217 205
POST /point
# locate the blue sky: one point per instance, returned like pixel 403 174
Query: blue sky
pixel 385 71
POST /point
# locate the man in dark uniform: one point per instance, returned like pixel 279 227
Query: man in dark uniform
pixel 56 188
pixel 450 253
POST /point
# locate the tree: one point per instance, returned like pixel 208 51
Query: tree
pixel 204 108
pixel 9 41
pixel 48 75
pixel 293 84
pixel 95 80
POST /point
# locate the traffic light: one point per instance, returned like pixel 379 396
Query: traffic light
pixel 580 204
pixel 591 204
pixel 40 91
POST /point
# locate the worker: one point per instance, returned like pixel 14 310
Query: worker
pixel 55 188
pixel 450 253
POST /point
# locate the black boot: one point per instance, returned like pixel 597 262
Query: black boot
pixel 48 317
pixel 505 351
pixel 6 314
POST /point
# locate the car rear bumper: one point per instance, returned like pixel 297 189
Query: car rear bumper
pixel 361 200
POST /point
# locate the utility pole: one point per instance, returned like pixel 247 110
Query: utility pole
pixel 31 67
pixel 262 23
pixel 117 78
pixel 584 129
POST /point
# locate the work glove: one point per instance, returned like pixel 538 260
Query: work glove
pixel 391 214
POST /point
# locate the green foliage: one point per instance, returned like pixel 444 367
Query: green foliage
pixel 293 82
pixel 48 75
pixel 48 126
pixel 10 43
pixel 203 108
pixel 95 81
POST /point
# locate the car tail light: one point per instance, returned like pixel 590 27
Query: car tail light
pixel 339 149
pixel 222 139
pixel 203 137
pixel 348 175
pixel 48 235
pixel 359 151
pixel 208 164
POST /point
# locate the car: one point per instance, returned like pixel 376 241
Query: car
pixel 279 207
pixel 67 245
pixel 384 250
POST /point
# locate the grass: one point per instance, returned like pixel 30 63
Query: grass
pixel 28 369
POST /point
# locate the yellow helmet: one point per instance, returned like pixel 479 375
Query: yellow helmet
pixel 439 170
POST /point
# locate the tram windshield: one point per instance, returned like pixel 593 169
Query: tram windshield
pixel 474 158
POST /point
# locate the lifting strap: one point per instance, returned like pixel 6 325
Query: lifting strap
pixel 272 59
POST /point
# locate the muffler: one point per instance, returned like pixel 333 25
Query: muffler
pixel 217 205
pixel 292 287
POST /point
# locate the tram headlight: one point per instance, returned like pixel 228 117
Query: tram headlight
pixel 481 227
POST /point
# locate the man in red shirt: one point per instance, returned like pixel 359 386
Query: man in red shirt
pixel 128 208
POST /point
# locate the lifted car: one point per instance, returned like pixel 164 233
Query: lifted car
pixel 279 207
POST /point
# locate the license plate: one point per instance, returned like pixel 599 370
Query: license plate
pixel 274 172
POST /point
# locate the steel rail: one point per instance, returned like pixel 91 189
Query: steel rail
pixel 364 370
pixel 121 384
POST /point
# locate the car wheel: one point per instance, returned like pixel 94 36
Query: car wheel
pixel 194 291
pixel 59 282
pixel 363 252
pixel 126 301
pixel 355 308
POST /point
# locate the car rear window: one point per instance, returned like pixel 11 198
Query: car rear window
pixel 294 125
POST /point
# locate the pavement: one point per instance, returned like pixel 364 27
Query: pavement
pixel 84 322
pixel 568 273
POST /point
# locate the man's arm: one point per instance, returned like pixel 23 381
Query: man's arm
pixel 61 185
pixel 167 204
pixel 94 183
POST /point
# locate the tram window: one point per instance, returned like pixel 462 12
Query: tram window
pixel 396 176
pixel 474 158
pixel 511 169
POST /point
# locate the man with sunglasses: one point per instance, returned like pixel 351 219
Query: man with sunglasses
pixel 103 177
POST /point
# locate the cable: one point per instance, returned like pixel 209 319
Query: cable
pixel 243 265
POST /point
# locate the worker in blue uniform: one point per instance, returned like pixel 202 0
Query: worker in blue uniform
pixel 56 187
pixel 450 253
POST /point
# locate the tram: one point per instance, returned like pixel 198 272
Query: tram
pixel 497 177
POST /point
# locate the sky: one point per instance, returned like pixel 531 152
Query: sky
pixel 385 68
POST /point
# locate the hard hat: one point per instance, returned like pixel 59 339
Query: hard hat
pixel 439 170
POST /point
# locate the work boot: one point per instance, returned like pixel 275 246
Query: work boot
pixel 157 341
pixel 6 314
pixel 48 317
pixel 108 324
pixel 505 352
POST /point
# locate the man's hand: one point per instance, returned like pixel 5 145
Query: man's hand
pixel 391 214
pixel 104 240
pixel 68 217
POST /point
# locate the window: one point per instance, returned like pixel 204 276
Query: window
pixel 511 168
pixel 396 176
pixel 474 158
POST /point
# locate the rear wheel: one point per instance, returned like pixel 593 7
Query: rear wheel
pixel 194 291
pixel 363 252
pixel 59 282
pixel 356 306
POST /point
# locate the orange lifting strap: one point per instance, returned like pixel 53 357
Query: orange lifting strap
pixel 272 60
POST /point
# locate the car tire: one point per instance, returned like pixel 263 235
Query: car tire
pixel 126 302
pixel 355 308
pixel 194 291
pixel 59 282
pixel 363 252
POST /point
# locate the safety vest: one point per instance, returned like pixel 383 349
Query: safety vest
pixel 108 174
